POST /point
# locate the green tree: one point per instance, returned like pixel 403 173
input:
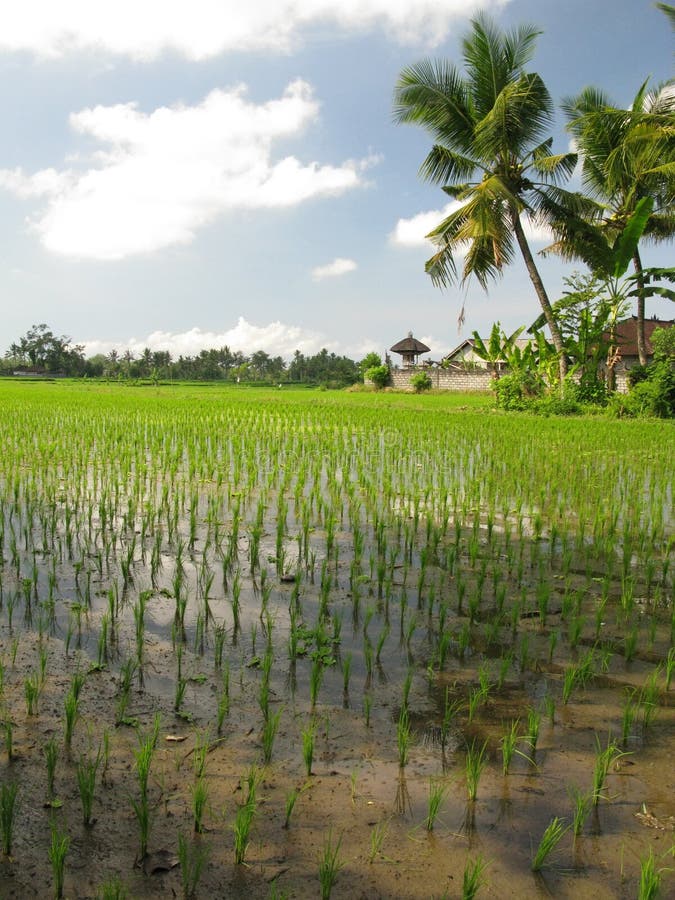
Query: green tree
pixel 491 154
pixel 497 348
pixel 369 361
pixel 43 351
pixel 627 155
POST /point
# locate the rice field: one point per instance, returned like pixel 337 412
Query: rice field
pixel 269 643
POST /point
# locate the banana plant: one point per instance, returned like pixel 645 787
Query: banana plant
pixel 497 349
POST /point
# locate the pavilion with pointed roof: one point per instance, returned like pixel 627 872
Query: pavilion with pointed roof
pixel 409 349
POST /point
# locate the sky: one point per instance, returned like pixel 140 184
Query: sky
pixel 189 175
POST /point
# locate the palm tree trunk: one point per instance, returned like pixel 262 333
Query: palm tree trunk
pixel 545 303
pixel 640 326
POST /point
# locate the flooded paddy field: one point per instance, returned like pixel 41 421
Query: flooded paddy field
pixel 288 644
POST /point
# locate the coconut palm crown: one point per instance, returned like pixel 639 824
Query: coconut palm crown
pixel 491 153
pixel 628 155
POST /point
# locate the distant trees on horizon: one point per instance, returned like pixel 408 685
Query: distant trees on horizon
pixel 41 351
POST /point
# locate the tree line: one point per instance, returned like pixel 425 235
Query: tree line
pixel 41 351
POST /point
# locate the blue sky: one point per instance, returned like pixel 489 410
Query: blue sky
pixel 182 175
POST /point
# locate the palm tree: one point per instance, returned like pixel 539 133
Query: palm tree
pixel 490 154
pixel 669 10
pixel 628 155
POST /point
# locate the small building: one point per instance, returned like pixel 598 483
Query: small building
pixel 465 354
pixel 625 336
pixel 409 349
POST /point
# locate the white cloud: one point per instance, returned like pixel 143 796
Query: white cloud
pixel 438 348
pixel 334 269
pixel 413 232
pixel 46 183
pixel 207 28
pixel 159 177
pixel 277 339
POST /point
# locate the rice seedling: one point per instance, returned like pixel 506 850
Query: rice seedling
pixel 450 711
pixel 269 732
pixel 367 707
pixel 378 833
pixel 329 865
pixel 475 698
pixel 670 667
pixel 8 794
pixel 630 710
pixel 508 744
pixel 403 737
pixel 291 799
pixel 127 671
pixel 549 708
pixel 8 728
pixel 57 852
pixel 473 877
pixel 554 832
pixel 649 698
pixel 143 760
pixel 201 748
pixel 31 686
pixel 181 682
pixel 533 726
pixel 199 797
pixel 315 679
pixel 112 889
pixel 308 736
pixel 192 856
pixel 437 792
pixel 605 758
pixel 650 877
pixel 346 673
pixel 407 685
pixel 71 710
pixel 87 769
pixel 242 826
pixel 570 679
pixel 582 809
pixel 475 762
pixel 630 645
pixel 504 665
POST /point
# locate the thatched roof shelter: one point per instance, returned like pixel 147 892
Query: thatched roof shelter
pixel 409 349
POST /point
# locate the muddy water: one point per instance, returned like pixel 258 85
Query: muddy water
pixel 401 630
pixel 357 789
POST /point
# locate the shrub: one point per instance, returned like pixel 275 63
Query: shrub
pixel 421 382
pixel 516 391
pixel 379 375
pixel 653 396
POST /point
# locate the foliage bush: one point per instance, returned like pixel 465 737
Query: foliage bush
pixel 590 389
pixel 421 382
pixel 379 375
pixel 651 396
pixel 518 390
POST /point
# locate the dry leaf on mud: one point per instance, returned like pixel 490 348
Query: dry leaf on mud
pixel 175 738
pixel 159 861
pixel 651 821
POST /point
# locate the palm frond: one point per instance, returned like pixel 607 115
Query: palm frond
pixel 669 11
pixel 433 94
pixel 441 268
pixel 520 113
pixel 555 167
pixel 493 58
pixel 443 166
